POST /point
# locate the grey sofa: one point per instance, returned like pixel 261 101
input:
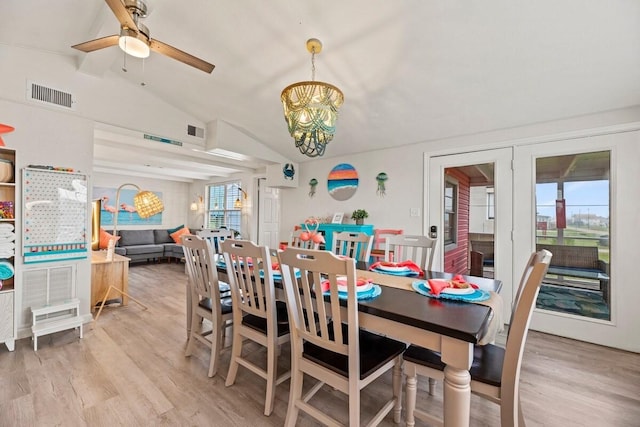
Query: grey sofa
pixel 147 245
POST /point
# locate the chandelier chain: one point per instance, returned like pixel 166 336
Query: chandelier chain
pixel 313 64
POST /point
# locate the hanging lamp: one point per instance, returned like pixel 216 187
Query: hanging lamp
pixel 311 109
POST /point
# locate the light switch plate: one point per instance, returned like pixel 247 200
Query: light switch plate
pixel 414 212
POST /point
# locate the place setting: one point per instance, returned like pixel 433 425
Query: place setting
pixel 404 268
pixel 365 288
pixel 457 289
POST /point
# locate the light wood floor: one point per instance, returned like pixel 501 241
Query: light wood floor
pixel 130 369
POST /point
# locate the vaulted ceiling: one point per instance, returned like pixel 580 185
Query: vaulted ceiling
pixel 411 70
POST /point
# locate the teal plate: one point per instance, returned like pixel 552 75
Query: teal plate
pixel 477 296
pixel 372 293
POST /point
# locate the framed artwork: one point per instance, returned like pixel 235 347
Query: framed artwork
pixel 126 212
pixel 337 218
pixel 342 181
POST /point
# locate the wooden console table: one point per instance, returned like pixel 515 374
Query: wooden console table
pixel 108 273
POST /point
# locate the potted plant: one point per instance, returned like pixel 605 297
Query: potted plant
pixel 359 215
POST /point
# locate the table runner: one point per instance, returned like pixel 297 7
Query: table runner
pixel 496 322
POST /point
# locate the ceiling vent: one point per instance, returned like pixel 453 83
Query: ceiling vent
pixel 195 131
pixel 50 96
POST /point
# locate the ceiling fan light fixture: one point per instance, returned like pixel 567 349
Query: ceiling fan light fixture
pixel 311 109
pixel 134 43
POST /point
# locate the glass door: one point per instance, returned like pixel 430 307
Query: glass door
pixel 576 198
pixel 470 207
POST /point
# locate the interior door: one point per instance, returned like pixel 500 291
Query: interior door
pixel 470 197
pixel 268 215
pixel 589 177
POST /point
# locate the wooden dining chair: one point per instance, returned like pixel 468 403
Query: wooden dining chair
pixel 417 248
pixel 296 242
pixel 257 316
pixel 379 239
pixel 215 237
pixel 495 373
pixel 353 245
pixel 205 299
pixel 333 349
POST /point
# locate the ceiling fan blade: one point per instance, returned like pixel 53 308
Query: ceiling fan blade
pixel 96 44
pixel 122 14
pixel 181 56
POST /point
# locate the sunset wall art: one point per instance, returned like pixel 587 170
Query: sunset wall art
pixel 342 181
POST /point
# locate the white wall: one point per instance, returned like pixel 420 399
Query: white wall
pixel 405 167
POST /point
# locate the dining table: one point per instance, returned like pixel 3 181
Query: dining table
pixel 450 327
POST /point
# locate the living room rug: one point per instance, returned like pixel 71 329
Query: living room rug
pixel 574 301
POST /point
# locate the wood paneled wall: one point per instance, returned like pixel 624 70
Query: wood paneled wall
pixel 456 259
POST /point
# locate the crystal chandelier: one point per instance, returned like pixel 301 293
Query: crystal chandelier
pixel 311 109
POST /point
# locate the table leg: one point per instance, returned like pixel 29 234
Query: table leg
pixel 458 356
pixel 125 282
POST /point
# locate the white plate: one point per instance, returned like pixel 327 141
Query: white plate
pixel 453 291
pixel 363 288
pixel 393 269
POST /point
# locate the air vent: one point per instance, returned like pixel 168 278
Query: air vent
pixel 50 96
pixel 195 131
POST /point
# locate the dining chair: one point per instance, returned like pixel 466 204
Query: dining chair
pixel 296 242
pixel 215 237
pixel 353 245
pixel 332 348
pixel 417 248
pixel 257 316
pixel 205 298
pixel 379 239
pixel 495 372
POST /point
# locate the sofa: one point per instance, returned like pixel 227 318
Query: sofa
pixel 147 245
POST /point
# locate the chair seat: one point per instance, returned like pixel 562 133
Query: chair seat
pixel 375 351
pixel 260 323
pixel 225 304
pixel 486 368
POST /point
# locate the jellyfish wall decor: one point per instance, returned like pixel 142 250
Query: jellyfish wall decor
pixel 381 178
pixel 312 187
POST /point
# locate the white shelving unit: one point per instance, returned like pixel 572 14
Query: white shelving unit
pixel 8 214
pixel 55 318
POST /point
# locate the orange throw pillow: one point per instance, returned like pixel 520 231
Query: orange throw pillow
pixel 105 237
pixel 176 236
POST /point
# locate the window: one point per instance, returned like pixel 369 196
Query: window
pixel 491 204
pixel 221 210
pixel 450 211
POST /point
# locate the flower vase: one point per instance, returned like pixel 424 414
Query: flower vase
pixel 360 221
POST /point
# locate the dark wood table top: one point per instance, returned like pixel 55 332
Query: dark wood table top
pixel 460 320
pixel 457 319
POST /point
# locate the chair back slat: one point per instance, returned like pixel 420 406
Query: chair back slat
pixel 417 248
pixel 303 299
pixel 252 292
pixel 201 269
pixel 353 245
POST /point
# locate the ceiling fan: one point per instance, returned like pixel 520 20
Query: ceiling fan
pixel 134 37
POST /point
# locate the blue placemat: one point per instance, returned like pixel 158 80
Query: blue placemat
pixel 409 273
pixel 372 293
pixel 477 296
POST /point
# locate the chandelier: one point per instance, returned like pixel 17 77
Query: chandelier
pixel 311 109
